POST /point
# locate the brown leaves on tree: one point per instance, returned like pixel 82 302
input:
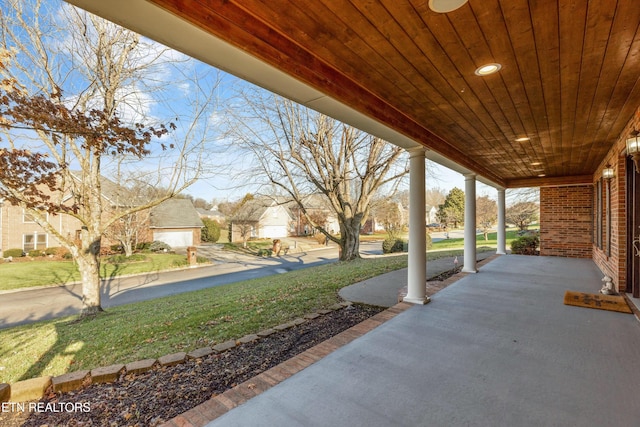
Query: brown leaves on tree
pixel 98 131
pixel 26 176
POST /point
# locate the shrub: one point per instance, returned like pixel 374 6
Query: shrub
pixel 210 231
pixel 58 252
pixel 116 249
pixel 158 246
pixel 399 245
pixel 143 246
pixel 265 252
pixel 52 251
pixel 14 253
pixel 36 253
pixel 525 245
pixel 392 245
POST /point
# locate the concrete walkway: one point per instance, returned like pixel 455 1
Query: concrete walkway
pixel 497 348
pixel 383 290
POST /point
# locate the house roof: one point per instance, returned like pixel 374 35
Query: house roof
pixel 175 213
pixel 209 213
pixel 254 209
pixel 397 69
pixel 116 194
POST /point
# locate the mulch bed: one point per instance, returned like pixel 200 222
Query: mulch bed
pixel 156 396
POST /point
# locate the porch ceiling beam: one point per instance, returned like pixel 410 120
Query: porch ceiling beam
pixel 551 181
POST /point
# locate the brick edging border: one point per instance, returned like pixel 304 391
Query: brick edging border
pixel 221 404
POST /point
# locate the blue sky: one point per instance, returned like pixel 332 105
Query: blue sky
pixel 179 92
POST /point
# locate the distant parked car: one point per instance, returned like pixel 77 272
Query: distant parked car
pixel 434 226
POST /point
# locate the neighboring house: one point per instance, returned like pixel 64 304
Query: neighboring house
pixel 176 222
pixel 317 206
pixel 18 230
pixel 376 223
pixel 213 214
pixel 431 214
pixel 261 218
pixel 369 226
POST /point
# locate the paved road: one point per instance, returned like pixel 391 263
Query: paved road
pixel 28 306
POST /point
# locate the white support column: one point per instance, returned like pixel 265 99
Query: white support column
pixel 502 227
pixel 417 268
pixel 469 223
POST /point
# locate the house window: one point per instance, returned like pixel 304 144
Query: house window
pixel 598 239
pixel 34 241
pixel 27 218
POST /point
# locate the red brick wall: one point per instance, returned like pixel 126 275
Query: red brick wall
pixel 566 221
pixel 614 264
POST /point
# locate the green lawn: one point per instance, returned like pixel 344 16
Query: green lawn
pixel 24 274
pixel 459 242
pixel 181 322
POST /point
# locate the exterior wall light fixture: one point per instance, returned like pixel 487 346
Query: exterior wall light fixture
pixel 633 149
pixel 607 172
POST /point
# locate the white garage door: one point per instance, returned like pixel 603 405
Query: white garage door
pixel 175 239
pixel 274 231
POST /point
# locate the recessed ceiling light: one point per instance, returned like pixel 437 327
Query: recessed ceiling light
pixel 542 174
pixel 536 163
pixel 444 6
pixel 522 139
pixel 487 69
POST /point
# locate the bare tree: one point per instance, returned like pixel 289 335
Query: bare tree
pixel 246 218
pixel 302 152
pixel 435 196
pixel 486 214
pixel 517 195
pixel 390 214
pixel 522 214
pixel 79 87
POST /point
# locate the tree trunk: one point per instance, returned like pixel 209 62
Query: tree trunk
pixel 89 267
pixel 349 240
pixel 128 249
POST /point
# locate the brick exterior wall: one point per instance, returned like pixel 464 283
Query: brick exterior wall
pixel 614 263
pixel 566 221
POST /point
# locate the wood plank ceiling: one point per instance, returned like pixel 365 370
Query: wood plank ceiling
pixel 568 82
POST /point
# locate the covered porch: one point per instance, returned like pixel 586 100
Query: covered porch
pixel 509 93
pixel 493 349
pixel 499 347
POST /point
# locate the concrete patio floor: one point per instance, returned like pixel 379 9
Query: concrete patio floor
pixel 496 348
